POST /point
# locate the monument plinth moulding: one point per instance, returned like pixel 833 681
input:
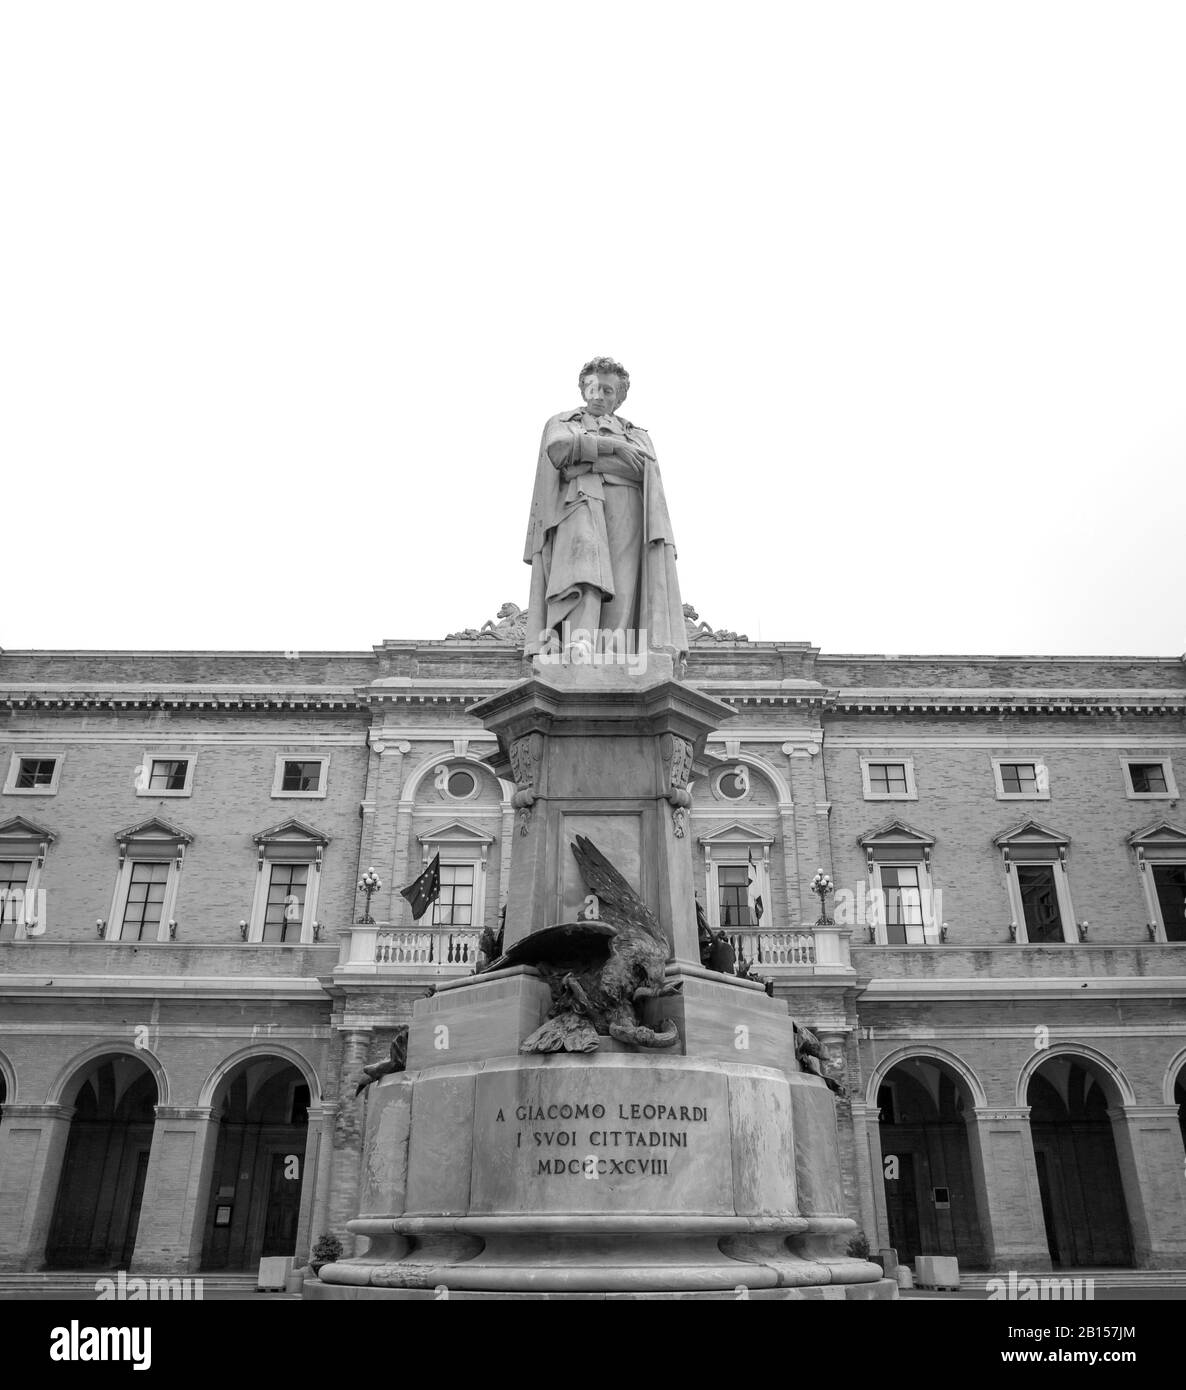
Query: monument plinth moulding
pixel 596 1114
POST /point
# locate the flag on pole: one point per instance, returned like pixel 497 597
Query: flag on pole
pixel 755 898
pixel 425 890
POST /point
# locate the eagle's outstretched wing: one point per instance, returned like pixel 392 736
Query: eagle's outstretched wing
pixel 565 943
pixel 619 904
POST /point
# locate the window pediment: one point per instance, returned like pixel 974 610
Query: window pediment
pixel 738 835
pixel 1160 833
pixel 896 832
pixel 1029 832
pixel 1030 841
pixel 291 832
pixel 455 833
pixel 894 839
pixel 18 830
pixel 153 838
pixel 1160 841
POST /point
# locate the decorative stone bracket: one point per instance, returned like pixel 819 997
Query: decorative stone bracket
pixel 677 754
pixel 525 756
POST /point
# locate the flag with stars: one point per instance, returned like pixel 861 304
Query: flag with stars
pixel 425 890
pixel 755 898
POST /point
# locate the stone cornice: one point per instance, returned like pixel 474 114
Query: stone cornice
pixel 779 693
pixel 157 696
pixel 960 700
pixel 42 987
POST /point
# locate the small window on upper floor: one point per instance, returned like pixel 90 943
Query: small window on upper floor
pixel 165 775
pixel 300 776
pixel 1151 779
pixel 888 781
pixel 33 774
pixel 1021 781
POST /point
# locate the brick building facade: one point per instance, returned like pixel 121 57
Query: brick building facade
pixel 187 994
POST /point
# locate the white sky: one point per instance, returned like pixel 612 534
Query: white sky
pixel 288 290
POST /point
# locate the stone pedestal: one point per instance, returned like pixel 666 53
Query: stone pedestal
pixel 601 752
pixel 706 1170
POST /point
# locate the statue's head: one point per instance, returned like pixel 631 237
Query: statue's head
pixel 603 384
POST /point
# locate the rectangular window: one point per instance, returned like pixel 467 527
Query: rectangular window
pixel 146 900
pixel 1039 903
pixel 1019 779
pixel 1169 882
pixel 887 779
pixel 733 896
pixel 455 906
pixel 1147 777
pixel 300 776
pixel 168 774
pixel 14 880
pixel 1150 778
pixel 35 772
pixel 285 910
pixel 903 904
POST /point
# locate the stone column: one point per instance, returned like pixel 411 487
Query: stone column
pixel 790 862
pixel 32 1146
pixel 388 819
pixel 1005 1178
pixel 320 1142
pixel 809 850
pixel 347 1135
pixel 176 1191
pixel 407 867
pixel 870 1173
pixel 1149 1151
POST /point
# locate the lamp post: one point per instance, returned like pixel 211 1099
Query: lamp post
pixel 821 886
pixel 370 883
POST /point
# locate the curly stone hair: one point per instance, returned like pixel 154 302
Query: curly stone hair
pixel 604 365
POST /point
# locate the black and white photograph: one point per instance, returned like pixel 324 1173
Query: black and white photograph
pixel 592 676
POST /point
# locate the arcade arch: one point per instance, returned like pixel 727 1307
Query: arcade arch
pixel 932 1203
pixel 258 1182
pixel 1070 1095
pixel 101 1182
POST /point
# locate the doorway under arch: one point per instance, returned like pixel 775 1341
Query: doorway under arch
pixel 1180 1102
pixel 930 1194
pixel 1079 1180
pixel 97 1209
pixel 262 1105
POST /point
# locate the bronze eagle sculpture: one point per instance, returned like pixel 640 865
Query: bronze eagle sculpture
pixel 599 971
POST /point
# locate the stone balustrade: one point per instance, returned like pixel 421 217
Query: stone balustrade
pixel 817 949
pixel 380 948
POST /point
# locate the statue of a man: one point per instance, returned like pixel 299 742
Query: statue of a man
pixel 599 541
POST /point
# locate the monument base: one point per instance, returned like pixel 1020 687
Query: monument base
pixel 879 1291
pixel 615 1174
